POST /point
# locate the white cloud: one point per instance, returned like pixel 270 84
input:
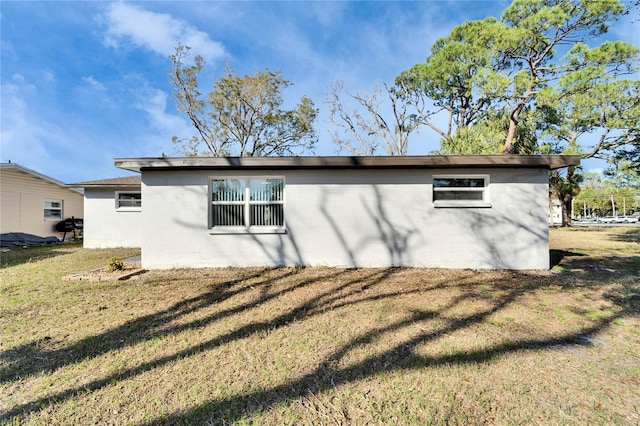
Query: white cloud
pixel 48 76
pixel 94 83
pixel 154 103
pixel 163 124
pixel 158 32
pixel 22 137
pixel 626 28
pixel 94 94
pixel 326 13
pixel 31 135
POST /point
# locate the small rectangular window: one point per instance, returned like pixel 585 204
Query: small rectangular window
pixel 247 203
pixel 461 191
pixel 129 200
pixel 53 209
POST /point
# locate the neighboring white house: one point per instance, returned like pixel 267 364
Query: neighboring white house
pixel 33 203
pixel 555 213
pixel 420 211
pixel 113 212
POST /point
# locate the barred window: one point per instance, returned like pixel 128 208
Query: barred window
pixel 128 200
pixel 247 202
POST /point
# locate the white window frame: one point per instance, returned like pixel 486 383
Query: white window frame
pixel 484 202
pixel 247 203
pixel 127 208
pixel 61 209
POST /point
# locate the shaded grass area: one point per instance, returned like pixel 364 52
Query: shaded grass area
pixel 18 255
pixel 327 346
pixel 597 250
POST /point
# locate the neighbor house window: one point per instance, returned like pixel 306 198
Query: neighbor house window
pixel 461 191
pixel 128 200
pixel 53 209
pixel 247 203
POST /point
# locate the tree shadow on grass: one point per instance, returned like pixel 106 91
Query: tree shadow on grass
pixel 29 360
pixel 628 236
pixel 350 290
pixel 597 266
pixel 401 357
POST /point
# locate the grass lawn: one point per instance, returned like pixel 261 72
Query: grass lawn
pixel 325 346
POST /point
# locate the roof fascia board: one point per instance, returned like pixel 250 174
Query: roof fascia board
pixel 348 162
pixel 113 185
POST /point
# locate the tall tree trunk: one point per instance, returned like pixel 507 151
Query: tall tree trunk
pixel 567 201
pixel 514 118
pixel 511 134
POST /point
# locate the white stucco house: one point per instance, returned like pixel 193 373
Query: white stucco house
pixel 113 212
pixel 488 212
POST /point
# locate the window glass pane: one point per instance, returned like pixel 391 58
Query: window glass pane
pixel 129 196
pixel 457 195
pixel 267 189
pixel 267 215
pixel 228 214
pixel 53 214
pixel 227 190
pixel 458 182
pixel 53 209
pixel 129 199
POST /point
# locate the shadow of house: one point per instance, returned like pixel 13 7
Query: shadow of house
pixel 32 254
pixel 557 256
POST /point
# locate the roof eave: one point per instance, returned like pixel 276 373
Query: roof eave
pixel 348 162
pixel 81 185
pixel 25 170
pixel 127 182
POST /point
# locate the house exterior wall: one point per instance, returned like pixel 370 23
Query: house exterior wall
pixel 107 227
pixel 22 198
pixel 353 218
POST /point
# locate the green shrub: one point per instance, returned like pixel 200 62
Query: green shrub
pixel 115 264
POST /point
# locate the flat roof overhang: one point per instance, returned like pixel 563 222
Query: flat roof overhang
pixel 348 162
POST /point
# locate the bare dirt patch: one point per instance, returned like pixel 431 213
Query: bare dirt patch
pixel 103 274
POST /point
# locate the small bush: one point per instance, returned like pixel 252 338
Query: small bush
pixel 115 264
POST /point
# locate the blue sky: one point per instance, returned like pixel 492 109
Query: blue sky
pixel 84 82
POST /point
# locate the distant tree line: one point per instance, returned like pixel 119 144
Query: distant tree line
pixel 616 193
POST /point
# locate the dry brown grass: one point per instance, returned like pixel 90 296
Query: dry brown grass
pixel 328 346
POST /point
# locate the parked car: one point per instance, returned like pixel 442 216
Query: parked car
pixel 618 219
pixel 607 219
